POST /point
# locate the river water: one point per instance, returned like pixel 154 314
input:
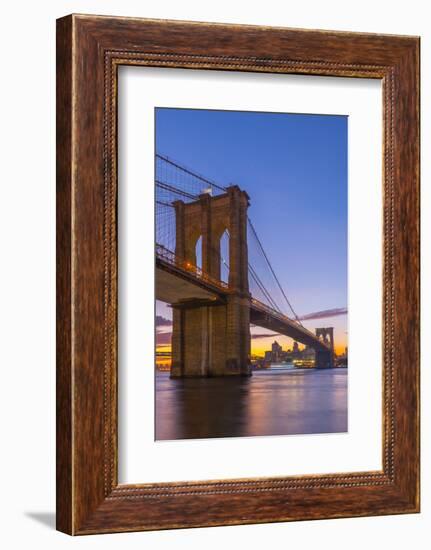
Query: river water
pixel 281 400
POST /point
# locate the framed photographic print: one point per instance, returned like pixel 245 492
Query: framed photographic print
pixel 237 274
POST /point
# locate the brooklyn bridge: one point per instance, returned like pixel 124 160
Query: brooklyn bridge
pixel 204 239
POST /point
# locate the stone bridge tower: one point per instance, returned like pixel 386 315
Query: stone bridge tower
pixel 213 338
pixel 325 359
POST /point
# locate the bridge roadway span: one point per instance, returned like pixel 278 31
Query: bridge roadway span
pixel 181 282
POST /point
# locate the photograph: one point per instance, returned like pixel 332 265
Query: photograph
pixel 251 273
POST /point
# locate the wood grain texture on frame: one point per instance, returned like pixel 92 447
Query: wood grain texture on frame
pixel 89 51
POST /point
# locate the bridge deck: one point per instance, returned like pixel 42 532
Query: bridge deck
pixel 178 281
pixel 266 317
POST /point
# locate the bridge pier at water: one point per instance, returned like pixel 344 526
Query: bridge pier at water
pixel 325 358
pixel 211 340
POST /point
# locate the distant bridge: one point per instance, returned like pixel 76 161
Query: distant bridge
pixel 214 298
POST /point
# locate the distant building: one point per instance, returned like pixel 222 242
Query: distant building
pixel 277 352
pixel 342 360
pixel 296 353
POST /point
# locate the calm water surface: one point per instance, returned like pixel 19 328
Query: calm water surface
pixel 279 401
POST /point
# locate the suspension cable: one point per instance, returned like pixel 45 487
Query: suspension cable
pixel 263 289
pixel 188 171
pixel 273 272
pixel 163 203
pixel 256 279
pixel 173 189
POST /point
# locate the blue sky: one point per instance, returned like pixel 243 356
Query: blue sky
pixel 294 168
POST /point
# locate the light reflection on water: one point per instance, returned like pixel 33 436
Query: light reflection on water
pixel 277 401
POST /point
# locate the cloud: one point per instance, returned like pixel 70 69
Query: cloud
pixel 262 335
pixel 162 321
pixel 325 313
pixel 163 338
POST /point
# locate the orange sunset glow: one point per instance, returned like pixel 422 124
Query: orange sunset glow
pixel 260 343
